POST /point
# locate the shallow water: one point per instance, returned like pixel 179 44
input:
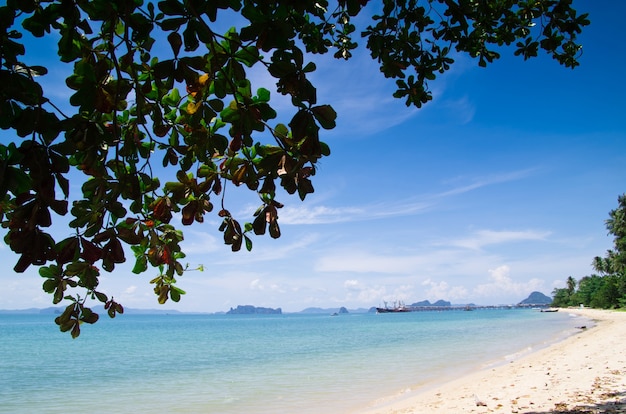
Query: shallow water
pixel 254 364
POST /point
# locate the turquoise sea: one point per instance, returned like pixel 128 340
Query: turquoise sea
pixel 291 363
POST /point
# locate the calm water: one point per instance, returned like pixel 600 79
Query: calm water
pixel 254 364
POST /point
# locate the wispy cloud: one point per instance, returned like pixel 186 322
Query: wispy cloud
pixel 326 215
pixel 269 250
pixel 367 112
pixel 323 214
pixel 421 263
pixel 362 97
pixel 458 110
pixel 479 182
pixel 368 262
pixel 277 251
pixel 483 238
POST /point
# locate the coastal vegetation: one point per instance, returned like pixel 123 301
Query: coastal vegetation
pixel 607 289
pixel 163 117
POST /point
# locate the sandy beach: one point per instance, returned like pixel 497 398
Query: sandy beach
pixel 585 373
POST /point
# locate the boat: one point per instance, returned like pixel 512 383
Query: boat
pixel 549 310
pixel 397 307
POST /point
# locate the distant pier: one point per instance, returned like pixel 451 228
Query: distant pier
pixel 474 307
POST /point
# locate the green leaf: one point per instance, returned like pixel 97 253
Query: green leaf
pixel 325 115
pixel 263 95
pixel 51 271
pixel 172 8
pixel 175 42
pixel 50 285
pixel 173 23
pixel 248 55
pixel 58 293
pixel 259 224
pixel 172 99
pixel 230 113
pixel 75 330
pixel 310 67
pixel 190 37
pixel 173 187
pixel 274 229
pixel 141 264
pixel 66 326
pixel 35 25
pixel 281 130
pixel 101 297
pixel 88 316
pixel 304 187
pixel 177 289
pixel 325 149
pixel 164 69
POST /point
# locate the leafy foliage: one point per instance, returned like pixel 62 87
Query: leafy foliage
pixel 607 290
pixel 155 84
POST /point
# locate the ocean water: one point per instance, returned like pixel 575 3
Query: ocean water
pixel 257 364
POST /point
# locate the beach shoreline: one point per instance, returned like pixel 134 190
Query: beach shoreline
pixel 583 373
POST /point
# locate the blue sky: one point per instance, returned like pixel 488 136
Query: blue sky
pixel 498 187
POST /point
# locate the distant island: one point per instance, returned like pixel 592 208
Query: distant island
pixel 426 303
pixel 253 310
pixel 536 299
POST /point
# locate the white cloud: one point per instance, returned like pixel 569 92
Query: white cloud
pixel 362 293
pixel 351 284
pixel 199 242
pixel 23 293
pixel 443 290
pixel 501 284
pixel 258 285
pixel 130 290
pixel 404 293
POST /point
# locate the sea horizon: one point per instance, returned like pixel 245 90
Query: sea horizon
pixel 307 310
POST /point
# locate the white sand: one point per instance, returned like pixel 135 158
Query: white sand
pixel 585 373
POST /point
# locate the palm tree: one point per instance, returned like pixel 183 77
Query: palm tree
pixel 571 285
pixel 599 264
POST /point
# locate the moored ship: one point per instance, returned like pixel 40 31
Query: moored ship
pixel 397 307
